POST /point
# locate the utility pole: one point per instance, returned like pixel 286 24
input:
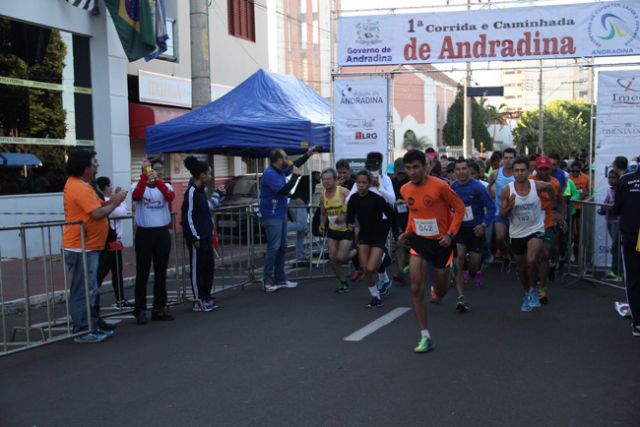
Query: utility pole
pixel 200 63
pixel 540 114
pixel 467 147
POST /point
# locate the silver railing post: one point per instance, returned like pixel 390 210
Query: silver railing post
pixel 25 286
pixel 86 279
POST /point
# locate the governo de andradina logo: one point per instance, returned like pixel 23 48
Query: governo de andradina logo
pixel 614 25
pixel 368 32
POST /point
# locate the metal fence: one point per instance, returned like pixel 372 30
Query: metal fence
pixel 34 287
pixel 593 245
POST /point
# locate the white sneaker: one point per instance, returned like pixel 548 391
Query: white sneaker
pixel 270 287
pixel 288 284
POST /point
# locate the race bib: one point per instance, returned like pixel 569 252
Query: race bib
pixel 426 227
pixel 468 214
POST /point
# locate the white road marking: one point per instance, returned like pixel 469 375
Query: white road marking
pixel 377 324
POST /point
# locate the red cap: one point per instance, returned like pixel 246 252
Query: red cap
pixel 543 162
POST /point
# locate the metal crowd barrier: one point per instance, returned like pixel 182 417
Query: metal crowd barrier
pixel 35 284
pixel 588 257
pixel 25 311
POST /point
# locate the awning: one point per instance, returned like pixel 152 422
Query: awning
pixel 141 116
pixel 13 160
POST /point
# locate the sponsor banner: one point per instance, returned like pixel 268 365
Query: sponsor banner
pixel 11 81
pixel 168 90
pixel 566 31
pixel 617 132
pixel 360 117
pixel 46 141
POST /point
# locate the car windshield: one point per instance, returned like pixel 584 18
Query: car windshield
pixel 244 185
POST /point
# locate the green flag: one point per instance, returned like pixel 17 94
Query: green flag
pixel 135 25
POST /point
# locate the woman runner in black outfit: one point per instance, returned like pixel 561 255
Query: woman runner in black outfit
pixel 368 208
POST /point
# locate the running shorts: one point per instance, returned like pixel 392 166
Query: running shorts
pixel 339 235
pixel 499 220
pixel 430 249
pixel 471 241
pixel 519 245
pixel 374 238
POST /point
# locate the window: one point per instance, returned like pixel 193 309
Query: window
pixel 241 17
pixel 45 105
pixel 170 53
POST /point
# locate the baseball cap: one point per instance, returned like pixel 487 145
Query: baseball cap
pixel 451 167
pixel 543 162
pixel 398 166
pixel 372 163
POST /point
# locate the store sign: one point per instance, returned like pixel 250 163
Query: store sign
pixel 566 31
pixel 617 132
pixel 361 109
pixel 167 90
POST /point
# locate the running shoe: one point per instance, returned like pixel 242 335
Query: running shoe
pixel 405 269
pixel 613 276
pixel 477 278
pixel 461 304
pixel 356 275
pixel 162 314
pixel 375 303
pixel 385 288
pixel 424 345
pixel 272 287
pixel 287 284
pixel 141 318
pixel 124 304
pixel 622 308
pixel 435 299
pixel 210 305
pixel 342 288
pixel 542 296
pixel 91 338
pixel 635 330
pixel 465 276
pixel 106 334
pixel 398 277
pixel 534 301
pixel 526 303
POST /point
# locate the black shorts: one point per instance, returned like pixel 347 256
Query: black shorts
pixel 472 242
pixel 376 238
pixel 339 235
pixel 430 249
pixel 519 244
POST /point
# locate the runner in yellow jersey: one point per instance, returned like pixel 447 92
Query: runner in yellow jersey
pixel 333 214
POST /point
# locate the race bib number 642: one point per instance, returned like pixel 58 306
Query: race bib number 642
pixel 426 227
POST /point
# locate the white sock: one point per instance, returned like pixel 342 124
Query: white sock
pixel 383 277
pixel 425 333
pixel 373 290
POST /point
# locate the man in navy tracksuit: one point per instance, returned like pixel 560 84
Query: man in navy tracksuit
pixel 627 205
pixel 197 226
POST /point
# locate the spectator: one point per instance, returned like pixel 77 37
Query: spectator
pixel 494 163
pixel 152 241
pixel 273 211
pixel 345 179
pixel 620 165
pixel 81 203
pixel 111 256
pixel 613 225
pixel 299 213
pixel 627 205
pixel 581 180
pixel 198 231
pixel 532 164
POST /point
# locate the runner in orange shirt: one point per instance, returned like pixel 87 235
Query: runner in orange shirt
pixel 553 208
pixel 430 232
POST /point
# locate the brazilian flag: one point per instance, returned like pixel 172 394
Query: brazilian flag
pixel 134 22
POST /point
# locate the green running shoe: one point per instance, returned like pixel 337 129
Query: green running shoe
pixel 342 288
pixel 405 269
pixel 424 345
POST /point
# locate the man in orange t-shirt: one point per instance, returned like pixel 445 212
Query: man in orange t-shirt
pixel 581 180
pixel 430 232
pixel 82 204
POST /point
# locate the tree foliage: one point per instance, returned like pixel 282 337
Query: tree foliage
pixel 566 128
pixel 453 131
pixel 411 141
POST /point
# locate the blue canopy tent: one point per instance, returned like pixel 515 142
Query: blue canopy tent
pixel 15 160
pixel 264 112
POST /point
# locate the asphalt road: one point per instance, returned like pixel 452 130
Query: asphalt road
pixel 281 360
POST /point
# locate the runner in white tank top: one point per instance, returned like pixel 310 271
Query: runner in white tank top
pixel 520 203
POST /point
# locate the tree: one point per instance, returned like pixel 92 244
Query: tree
pixel 566 128
pixel 453 131
pixel 412 141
